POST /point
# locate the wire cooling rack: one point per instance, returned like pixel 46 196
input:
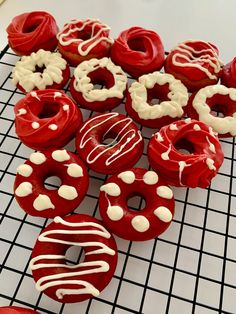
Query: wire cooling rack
pixel 191 268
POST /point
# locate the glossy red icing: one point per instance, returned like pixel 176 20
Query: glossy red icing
pixel 46 108
pixel 228 77
pixel 31 31
pixel 194 168
pixel 16 310
pixel 138 51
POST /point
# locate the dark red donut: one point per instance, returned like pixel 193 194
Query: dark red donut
pixel 121 153
pixel 195 62
pixel 73 283
pixel 35 198
pixel 145 224
pixel 228 77
pixel 31 31
pixel 81 40
pixel 98 71
pixel 16 310
pixel 46 118
pixel 195 168
pixel 138 51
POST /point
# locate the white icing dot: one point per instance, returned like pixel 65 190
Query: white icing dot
pixel 42 202
pixel 159 137
pixel 173 127
pixel 163 213
pixel 188 120
pixel 34 94
pixel 196 127
pixel 115 212
pixel 24 170
pixel 150 177
pixel 67 192
pixel 74 170
pixel 210 163
pixel 165 155
pixel 111 189
pixel 21 112
pixel 164 192
pixel 211 145
pixel 35 125
pixel 140 223
pixel 53 127
pixel 57 94
pixel 24 189
pixel 37 158
pixel 65 107
pixel 60 155
pixel 127 177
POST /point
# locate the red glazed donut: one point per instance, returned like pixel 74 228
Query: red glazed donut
pixel 228 77
pixel 98 71
pixel 219 98
pixel 146 224
pixel 35 198
pixel 31 31
pixel 173 96
pixel 82 40
pixel 193 169
pixel 123 152
pixel 16 310
pixel 40 70
pixel 46 118
pixel 195 63
pixel 73 283
pixel 138 51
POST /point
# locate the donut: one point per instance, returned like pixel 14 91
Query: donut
pixel 16 310
pixel 46 118
pixel 215 98
pixel 31 31
pixel 195 62
pixel 171 93
pixel 81 40
pixel 41 70
pixel 35 199
pixel 186 153
pixel 138 51
pixel 121 153
pixel 98 71
pixel 128 224
pixel 228 76
pixel 73 283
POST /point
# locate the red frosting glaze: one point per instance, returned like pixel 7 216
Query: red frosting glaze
pixel 81 40
pixel 40 166
pixel 195 63
pixel 46 118
pixel 138 51
pixel 123 152
pixel 83 280
pixel 31 31
pixel 16 310
pixel 144 224
pixel 228 77
pixel 193 169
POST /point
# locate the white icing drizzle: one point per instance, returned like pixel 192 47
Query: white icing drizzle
pixel 140 223
pixel 159 138
pixel 35 95
pixel 212 132
pixel 165 155
pixel 164 192
pixel 221 125
pixel 115 212
pixel 24 189
pixel 21 111
pixel 210 163
pixel 53 127
pixel 127 177
pixel 67 192
pixel 211 145
pixel 209 56
pixel 111 189
pixel 150 178
pixel 163 213
pixel 182 165
pixel 35 125
pixel 65 107
pixel 42 202
pixel 24 170
pixel 37 158
pixel 60 155
pixel 84 46
pixel 196 127
pixel 121 150
pixel 173 127
pixel 94 267
pixel 74 170
pixel 83 84
pixel 178 96
pixel 24 71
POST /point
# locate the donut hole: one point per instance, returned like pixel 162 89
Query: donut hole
pixel 136 202
pixel 109 139
pixel 40 69
pixel 48 110
pixel 221 105
pixel 84 34
pixel 157 94
pixel 30 28
pixel 184 146
pixel 136 44
pixel 218 111
pixel 52 182
pixel 74 255
pixel 101 78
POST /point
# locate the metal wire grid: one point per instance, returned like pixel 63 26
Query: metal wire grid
pixel 191 268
